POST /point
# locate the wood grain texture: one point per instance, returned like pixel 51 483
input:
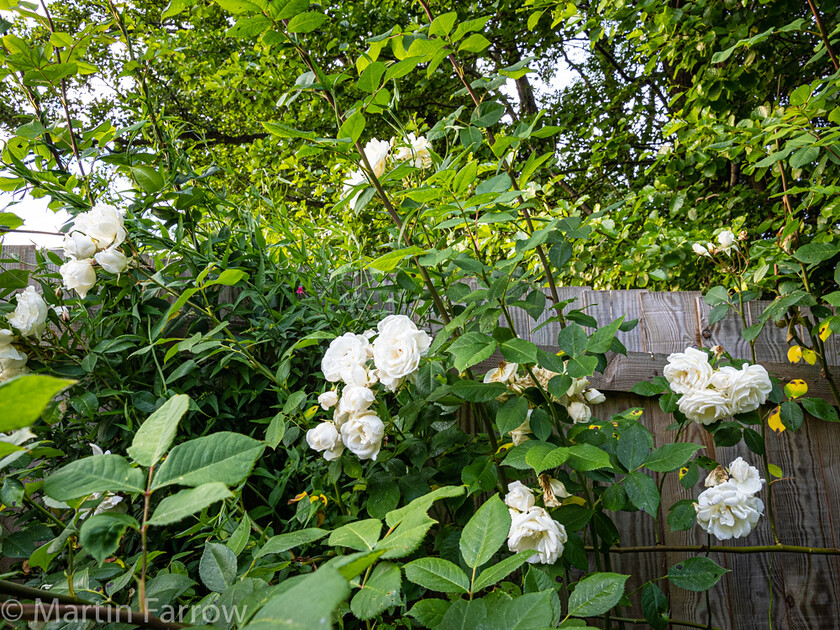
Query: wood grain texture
pixel 670 322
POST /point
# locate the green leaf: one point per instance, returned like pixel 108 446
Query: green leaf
pixel 813 253
pixel 585 457
pixel 306 22
pixel 248 27
pixel 388 262
pixel 98 473
pixel 284 131
pixel 485 532
pixel 429 612
pixel 100 534
pixel 443 23
pixel 476 391
pixel 670 456
pixel 511 414
pixel 487 114
pixel 438 575
pixel 284 542
pixel 596 594
pixel 791 415
pixel 23 399
pixel 804 156
pixel 819 408
pixel 543 456
pixel 696 574
pixel 531 611
pixel 217 568
pixel 519 351
pixel 229 277
pixel 380 591
pixel 155 435
pixel 642 492
pixel 643 388
pixel 633 446
pixel 471 348
pixel 497 572
pixel 238 7
pixel 147 178
pixel 655 606
pixel 580 367
pixel 407 536
pixel 358 535
pixel 682 516
pixel 464 615
pixel 225 457
pixel 475 43
pixel 297 609
pixel 10 221
pixel 572 340
pixel 186 502
pixel 422 504
pixel 601 339
pixel 353 126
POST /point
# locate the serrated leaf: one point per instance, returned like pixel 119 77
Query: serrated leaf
pixel 98 473
pixel 284 542
pixel 670 456
pixel 155 435
pixel 696 574
pixel 596 594
pixel 23 399
pixel 100 534
pixel 225 456
pixel 485 532
pixel 500 570
pixel 187 502
pixel 642 492
pixel 543 456
pixel 358 535
pixel 437 574
pixel 585 457
pixel 217 567
pixel 380 591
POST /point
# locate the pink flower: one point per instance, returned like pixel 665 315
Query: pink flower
pixel 299 291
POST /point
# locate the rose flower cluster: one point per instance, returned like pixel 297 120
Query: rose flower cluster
pixel 577 400
pixel 376 360
pixel 30 319
pixel 531 527
pixel 729 508
pixel 710 394
pixel 414 149
pixel 96 236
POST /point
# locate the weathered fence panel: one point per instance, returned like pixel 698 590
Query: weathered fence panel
pixel 806 502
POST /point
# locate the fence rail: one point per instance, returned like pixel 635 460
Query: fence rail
pixel 806 501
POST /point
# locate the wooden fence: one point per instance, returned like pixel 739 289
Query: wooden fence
pixel 805 589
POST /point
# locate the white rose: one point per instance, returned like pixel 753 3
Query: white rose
pixel 78 245
pixel 519 496
pixel 30 314
pixel 553 491
pixel 376 152
pixel 744 477
pixel 418 149
pixel 104 224
pixel 78 275
pixel 397 350
pixel 12 360
pixel 579 412
pixel 688 370
pixel 506 372
pixel 328 399
pixel 700 250
pixel 362 434
pixel 594 397
pixel 355 399
pixel 749 388
pixel 530 191
pixel 537 531
pixel 325 438
pixel 345 360
pixel 705 406
pixel 716 477
pixel 111 260
pixel 726 239
pixel 577 387
pixel 726 512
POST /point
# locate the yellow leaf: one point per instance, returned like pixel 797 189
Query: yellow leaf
pixel 810 356
pixel 794 354
pixel 796 388
pixel 311 412
pixel 775 470
pixel 573 501
pixel 825 331
pixel 683 472
pixel 775 420
pixel 299 497
pixel 636 413
pixel 504 448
